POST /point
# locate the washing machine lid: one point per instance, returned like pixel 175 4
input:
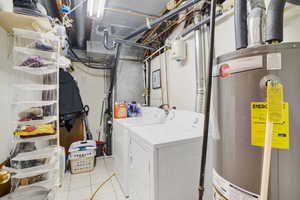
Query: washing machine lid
pixel 150 115
pixel 172 132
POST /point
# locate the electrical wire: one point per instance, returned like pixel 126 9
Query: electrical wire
pixel 101 186
pixel 84 63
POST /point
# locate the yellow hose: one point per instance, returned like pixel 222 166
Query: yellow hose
pixel 106 181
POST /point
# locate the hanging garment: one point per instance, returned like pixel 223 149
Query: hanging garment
pixel 70 103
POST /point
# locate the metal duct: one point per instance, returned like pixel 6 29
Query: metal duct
pixel 81 25
pixel 275 21
pixel 240 17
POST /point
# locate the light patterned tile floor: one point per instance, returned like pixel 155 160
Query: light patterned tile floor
pixel 82 186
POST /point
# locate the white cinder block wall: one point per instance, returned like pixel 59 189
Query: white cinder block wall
pixel 181 76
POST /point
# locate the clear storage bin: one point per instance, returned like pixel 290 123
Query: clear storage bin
pixel 31 144
pixel 33 159
pixel 47 178
pixel 46 42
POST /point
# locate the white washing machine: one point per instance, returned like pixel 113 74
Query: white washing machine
pixel 164 160
pixel 120 139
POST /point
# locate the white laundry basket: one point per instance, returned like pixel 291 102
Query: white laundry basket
pixel 82 156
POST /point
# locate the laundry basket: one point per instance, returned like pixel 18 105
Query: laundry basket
pixel 82 156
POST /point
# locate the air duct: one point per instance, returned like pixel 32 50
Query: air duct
pixel 274 32
pixel 240 19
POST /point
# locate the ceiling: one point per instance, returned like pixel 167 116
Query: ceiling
pixel 123 24
pixel 87 33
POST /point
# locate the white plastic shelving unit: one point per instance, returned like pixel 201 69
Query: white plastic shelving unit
pixel 36 62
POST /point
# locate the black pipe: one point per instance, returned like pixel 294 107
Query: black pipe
pixel 113 77
pixel 162 19
pixel 149 82
pixel 197 26
pixel 208 98
pixel 274 26
pixel 240 21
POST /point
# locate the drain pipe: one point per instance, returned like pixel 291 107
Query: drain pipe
pixel 200 70
pixel 274 32
pixel 208 98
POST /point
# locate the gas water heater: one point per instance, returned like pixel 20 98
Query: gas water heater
pixel 239 80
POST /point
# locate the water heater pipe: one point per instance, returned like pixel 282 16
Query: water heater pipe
pixel 240 23
pixel 208 98
pixel 274 32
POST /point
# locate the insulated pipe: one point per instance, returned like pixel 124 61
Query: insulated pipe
pixel 208 98
pixel 274 26
pixel 256 22
pixel 240 20
pixel 162 19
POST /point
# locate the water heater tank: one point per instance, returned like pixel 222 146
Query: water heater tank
pixel 237 164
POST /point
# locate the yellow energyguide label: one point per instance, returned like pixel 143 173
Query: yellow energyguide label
pixel 275 102
pixel 280 137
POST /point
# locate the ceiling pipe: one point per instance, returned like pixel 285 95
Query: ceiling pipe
pixel 167 16
pixel 110 45
pixel 198 25
pixel 107 44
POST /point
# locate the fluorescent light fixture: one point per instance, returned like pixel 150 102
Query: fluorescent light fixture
pixel 96 8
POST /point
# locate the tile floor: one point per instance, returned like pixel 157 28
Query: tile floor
pixel 82 186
